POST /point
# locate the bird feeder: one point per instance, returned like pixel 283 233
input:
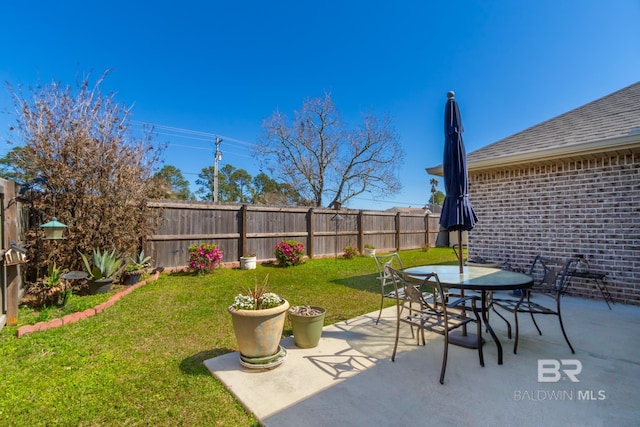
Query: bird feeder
pixel 53 229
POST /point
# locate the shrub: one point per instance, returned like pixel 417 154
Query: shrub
pixel 204 258
pixel 289 253
pixel 349 252
pixel 74 149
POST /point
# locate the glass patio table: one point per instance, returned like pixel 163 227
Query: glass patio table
pixel 482 279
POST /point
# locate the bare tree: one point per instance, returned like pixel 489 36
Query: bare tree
pixel 95 174
pixel 318 156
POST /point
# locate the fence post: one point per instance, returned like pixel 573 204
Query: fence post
pixel 397 231
pixel 310 232
pixel 360 231
pixel 12 280
pixel 243 231
pixel 426 226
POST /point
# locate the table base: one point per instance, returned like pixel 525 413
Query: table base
pixel 467 341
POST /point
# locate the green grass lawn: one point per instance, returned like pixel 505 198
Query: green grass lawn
pixel 140 361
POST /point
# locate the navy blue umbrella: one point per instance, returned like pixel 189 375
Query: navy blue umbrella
pixel 457 213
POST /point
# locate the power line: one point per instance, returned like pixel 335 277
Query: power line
pixel 185 137
pixel 190 146
pixel 386 201
pixel 235 153
pixel 207 135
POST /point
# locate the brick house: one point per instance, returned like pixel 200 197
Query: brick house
pixel 569 185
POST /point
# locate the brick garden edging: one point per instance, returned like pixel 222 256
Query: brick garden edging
pixel 75 317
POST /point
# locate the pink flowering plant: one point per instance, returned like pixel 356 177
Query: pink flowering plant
pixel 289 253
pixel 349 252
pixel 204 258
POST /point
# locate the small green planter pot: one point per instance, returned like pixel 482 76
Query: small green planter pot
pixel 307 329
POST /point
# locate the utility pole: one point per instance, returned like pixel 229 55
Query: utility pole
pixel 216 159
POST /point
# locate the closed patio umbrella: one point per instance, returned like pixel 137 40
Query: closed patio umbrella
pixel 457 213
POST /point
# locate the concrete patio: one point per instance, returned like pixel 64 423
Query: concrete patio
pixel 350 380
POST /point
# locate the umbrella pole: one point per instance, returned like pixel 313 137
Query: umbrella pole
pixel 461 337
pixel 464 327
pixel 460 246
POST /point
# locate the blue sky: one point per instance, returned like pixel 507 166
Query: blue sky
pixel 220 67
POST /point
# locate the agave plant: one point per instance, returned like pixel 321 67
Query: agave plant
pixel 105 264
pixel 138 263
pixel 53 276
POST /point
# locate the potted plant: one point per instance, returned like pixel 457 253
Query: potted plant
pixel 369 250
pixel 258 320
pixel 101 270
pixel 289 253
pixel 58 291
pixel 248 261
pixel 307 323
pixel 136 268
pixel 53 290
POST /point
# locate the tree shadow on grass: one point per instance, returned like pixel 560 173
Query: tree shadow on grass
pixel 365 282
pixel 194 365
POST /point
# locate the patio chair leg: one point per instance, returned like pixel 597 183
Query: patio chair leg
pixel 535 323
pixel 395 346
pixel 444 357
pixel 515 343
pixel 505 321
pixel 563 331
pixel 480 353
pixel 381 307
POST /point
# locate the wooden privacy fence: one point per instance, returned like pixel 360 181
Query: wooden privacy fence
pixel 243 229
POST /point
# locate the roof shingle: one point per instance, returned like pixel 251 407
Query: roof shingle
pixel 617 114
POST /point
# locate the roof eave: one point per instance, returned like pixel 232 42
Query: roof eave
pixel 613 144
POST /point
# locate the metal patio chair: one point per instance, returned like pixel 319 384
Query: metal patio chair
pixel 438 314
pixel 579 269
pixel 549 280
pixel 387 290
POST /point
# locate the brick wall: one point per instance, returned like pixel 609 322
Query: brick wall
pixel 589 207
